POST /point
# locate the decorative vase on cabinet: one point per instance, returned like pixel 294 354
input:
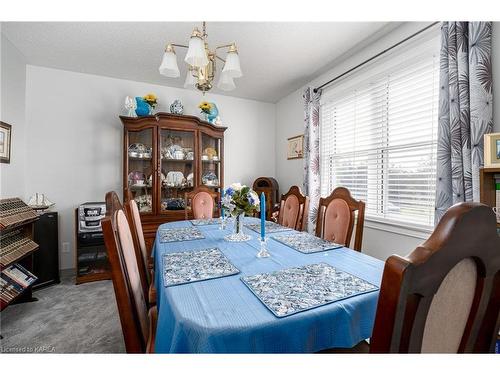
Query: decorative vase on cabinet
pixel 143 108
pixel 174 165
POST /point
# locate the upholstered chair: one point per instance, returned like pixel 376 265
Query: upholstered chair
pixel 138 323
pixel 293 209
pixel 337 214
pixel 202 202
pixel 144 261
pixel 134 217
pixel 444 297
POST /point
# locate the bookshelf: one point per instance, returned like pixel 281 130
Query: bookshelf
pixel 487 187
pixel 16 251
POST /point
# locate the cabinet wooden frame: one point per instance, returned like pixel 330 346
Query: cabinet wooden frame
pixel 171 122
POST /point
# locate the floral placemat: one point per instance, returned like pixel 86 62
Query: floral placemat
pixel 297 289
pixel 306 243
pixel 190 266
pixel 271 227
pixel 180 234
pixel 212 221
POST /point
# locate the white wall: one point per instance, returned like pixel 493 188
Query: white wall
pixel 12 99
pixel 74 148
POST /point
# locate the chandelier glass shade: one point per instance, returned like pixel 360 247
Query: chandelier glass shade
pixel 169 67
pixel 232 65
pixel 196 55
pixel 190 81
pixel 201 61
pixel 226 82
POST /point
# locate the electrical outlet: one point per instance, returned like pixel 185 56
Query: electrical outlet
pixel 65 247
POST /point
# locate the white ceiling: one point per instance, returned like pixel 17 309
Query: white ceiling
pixel 276 57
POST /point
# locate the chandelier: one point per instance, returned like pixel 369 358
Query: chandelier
pixel 201 63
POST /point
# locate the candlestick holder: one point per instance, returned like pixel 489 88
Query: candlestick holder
pixel 263 253
pixel 222 225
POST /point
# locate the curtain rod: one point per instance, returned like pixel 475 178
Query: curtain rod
pixel 374 57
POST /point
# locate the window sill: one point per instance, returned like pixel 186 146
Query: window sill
pixel 410 230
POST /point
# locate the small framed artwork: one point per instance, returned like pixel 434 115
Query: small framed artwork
pixel 492 150
pixel 295 149
pixel 5 138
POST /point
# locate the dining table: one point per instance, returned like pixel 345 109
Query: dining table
pixel 222 315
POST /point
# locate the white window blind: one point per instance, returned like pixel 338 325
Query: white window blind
pixel 378 137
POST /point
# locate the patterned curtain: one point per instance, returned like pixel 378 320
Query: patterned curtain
pixel 465 111
pixel 312 186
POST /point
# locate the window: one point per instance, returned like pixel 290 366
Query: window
pixel 379 135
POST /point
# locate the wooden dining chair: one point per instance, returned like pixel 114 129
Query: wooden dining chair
pixel 134 218
pixel 444 297
pixel 145 262
pixel 201 202
pixel 293 209
pixel 113 204
pixel 336 216
pixel 138 323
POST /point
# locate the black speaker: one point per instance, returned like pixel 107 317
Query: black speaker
pixel 46 258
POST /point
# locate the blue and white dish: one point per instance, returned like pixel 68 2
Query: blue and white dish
pixel 297 289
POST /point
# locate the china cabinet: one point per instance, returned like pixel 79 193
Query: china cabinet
pixel 164 157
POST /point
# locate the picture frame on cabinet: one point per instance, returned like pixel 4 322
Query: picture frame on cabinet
pixel 5 142
pixel 492 150
pixel 295 147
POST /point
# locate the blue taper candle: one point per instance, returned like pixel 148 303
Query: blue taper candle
pixel 262 216
pixel 221 207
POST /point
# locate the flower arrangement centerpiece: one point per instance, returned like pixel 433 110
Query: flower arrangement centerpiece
pixel 239 200
pixel 209 110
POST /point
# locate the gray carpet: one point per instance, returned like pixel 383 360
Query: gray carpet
pixel 67 318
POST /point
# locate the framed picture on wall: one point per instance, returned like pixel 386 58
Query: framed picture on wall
pixel 5 139
pixel 295 149
pixel 492 150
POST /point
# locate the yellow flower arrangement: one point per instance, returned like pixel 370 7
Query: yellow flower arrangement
pixel 205 107
pixel 151 99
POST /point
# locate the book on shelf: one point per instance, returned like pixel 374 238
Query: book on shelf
pixel 14 280
pixel 497 189
pixel 8 289
pixel 20 275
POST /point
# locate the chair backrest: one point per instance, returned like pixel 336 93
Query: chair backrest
pixel 129 292
pixel 336 217
pixel 134 218
pixel 202 201
pixel 294 207
pixel 444 297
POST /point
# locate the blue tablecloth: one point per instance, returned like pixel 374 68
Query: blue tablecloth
pixel 224 316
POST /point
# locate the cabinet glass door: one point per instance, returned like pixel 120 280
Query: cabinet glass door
pixel 178 168
pixel 140 168
pixel 210 161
